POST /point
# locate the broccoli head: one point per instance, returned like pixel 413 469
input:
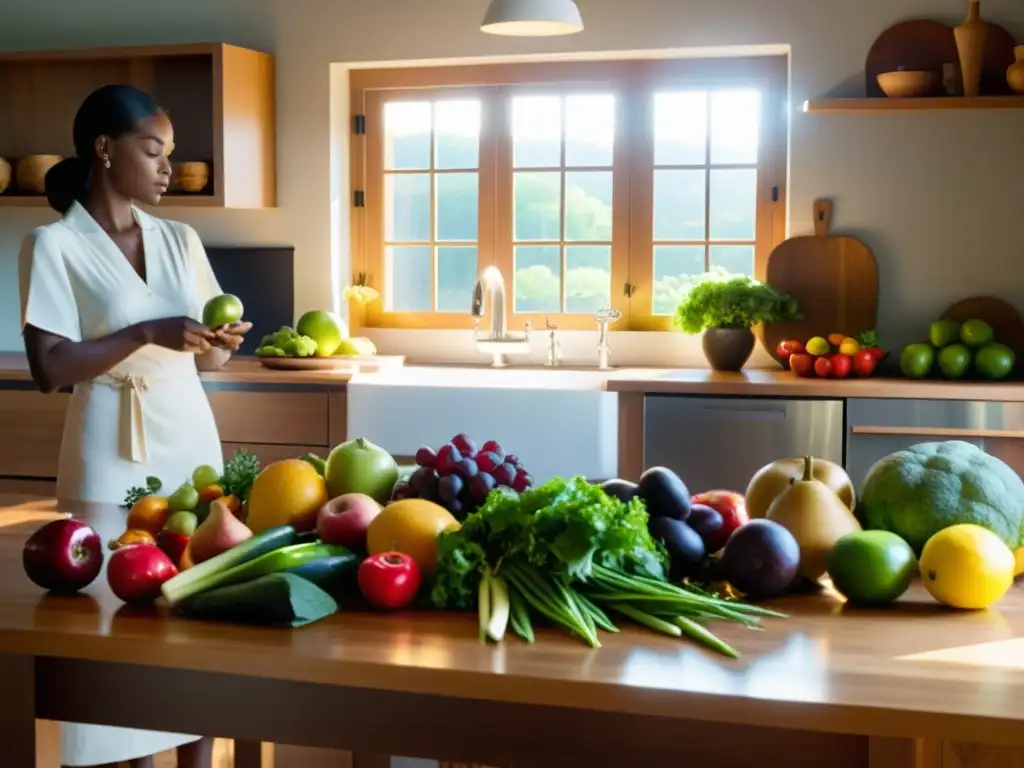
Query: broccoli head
pixel 269 351
pixel 930 486
pixel 279 337
pixel 300 346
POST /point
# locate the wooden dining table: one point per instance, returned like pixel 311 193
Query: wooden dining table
pixel 914 685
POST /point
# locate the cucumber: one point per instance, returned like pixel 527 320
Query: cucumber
pixel 176 589
pixel 272 562
pixel 327 572
pixel 278 599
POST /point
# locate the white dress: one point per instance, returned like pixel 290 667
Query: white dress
pixel 147 416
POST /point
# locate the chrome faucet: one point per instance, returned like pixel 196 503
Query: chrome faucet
pixel 604 317
pixel 490 289
pixel 554 348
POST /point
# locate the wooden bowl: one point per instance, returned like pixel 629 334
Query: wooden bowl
pixel 190 177
pixel 5 175
pixel 31 172
pixel 910 84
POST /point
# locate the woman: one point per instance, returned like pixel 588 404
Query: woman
pixel 111 301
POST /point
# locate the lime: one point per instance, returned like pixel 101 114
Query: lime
pixel 871 567
pixel 943 333
pixel 917 360
pixel 185 499
pixel 995 361
pixel 976 333
pixel 182 522
pixel 818 346
pixel 967 566
pixel 204 476
pixel 222 310
pixel 954 360
pixel 325 328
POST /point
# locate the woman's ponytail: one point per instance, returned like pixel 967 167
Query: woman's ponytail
pixel 67 182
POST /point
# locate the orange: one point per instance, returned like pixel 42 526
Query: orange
pixel 288 492
pixel 132 536
pixel 410 526
pixel 149 513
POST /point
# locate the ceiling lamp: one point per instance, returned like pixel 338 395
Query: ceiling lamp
pixel 532 18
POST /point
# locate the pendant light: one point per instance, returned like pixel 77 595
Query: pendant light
pixel 532 18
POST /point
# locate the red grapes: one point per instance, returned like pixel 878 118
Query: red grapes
pixel 459 476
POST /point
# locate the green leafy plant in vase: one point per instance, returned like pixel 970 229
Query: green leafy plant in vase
pixel 725 307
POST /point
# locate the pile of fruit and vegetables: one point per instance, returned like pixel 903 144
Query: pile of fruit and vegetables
pixel 295 541
pixel 958 350
pixel 836 356
pixel 317 334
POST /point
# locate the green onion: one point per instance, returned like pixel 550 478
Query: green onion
pixel 701 634
pixel 653 622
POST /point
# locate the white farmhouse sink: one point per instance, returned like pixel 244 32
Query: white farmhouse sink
pixel 558 422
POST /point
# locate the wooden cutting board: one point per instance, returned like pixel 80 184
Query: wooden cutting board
pixel 834 279
pixel 1003 317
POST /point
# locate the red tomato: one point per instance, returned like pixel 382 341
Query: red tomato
pixel 788 347
pixel 823 367
pixel 389 580
pixel 732 507
pixel 877 353
pixel 802 364
pixel 864 363
pixel 136 572
pixel 841 365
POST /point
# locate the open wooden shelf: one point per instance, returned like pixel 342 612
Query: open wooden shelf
pixel 883 104
pixel 219 97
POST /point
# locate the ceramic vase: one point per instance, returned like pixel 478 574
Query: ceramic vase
pixel 970 43
pixel 727 349
pixel 1015 74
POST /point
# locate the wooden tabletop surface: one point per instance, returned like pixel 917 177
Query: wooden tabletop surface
pixel 914 670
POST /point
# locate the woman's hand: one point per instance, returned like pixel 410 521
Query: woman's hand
pixel 230 337
pixel 182 334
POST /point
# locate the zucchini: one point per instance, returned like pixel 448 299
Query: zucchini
pixel 278 599
pixel 272 562
pixel 327 572
pixel 176 589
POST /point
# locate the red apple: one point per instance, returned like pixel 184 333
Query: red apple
pixel 343 520
pixel 801 364
pixel 63 556
pixel 841 365
pixel 136 572
pixel 823 367
pixel 732 507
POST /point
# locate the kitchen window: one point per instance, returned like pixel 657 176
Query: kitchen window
pixel 588 184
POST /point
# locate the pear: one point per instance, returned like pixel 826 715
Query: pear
pixel 816 517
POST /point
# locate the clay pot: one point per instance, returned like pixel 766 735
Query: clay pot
pixel 31 172
pixel 190 177
pixel 970 43
pixel 5 175
pixel 727 349
pixel 1015 74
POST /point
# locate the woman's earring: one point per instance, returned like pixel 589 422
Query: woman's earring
pixel 106 161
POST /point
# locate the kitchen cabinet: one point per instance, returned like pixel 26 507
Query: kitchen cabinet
pixel 33 424
pixel 878 427
pixel 720 442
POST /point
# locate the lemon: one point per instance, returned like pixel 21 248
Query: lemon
pixel 967 566
pixel 818 346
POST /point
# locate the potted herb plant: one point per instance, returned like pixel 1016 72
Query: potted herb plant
pixel 725 307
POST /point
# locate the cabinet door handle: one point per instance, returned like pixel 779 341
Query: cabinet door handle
pixel 749 412
pixel 948 432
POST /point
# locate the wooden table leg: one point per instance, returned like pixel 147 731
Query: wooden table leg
pixel 254 754
pixel 18 717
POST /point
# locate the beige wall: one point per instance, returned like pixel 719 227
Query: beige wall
pixel 938 196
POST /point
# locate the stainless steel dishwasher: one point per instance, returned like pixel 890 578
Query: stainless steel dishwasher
pixel 719 443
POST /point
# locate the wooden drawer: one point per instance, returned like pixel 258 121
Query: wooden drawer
pixel 267 454
pixel 271 417
pixel 33 425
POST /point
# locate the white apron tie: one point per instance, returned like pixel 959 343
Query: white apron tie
pixel 132 428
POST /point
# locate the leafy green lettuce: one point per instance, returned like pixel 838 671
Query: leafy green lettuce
pixel 563 528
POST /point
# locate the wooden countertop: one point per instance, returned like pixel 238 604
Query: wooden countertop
pixel 914 671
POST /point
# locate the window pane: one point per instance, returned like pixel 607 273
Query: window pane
pixel 680 128
pixel 672 264
pixel 456 278
pixel 538 205
pixel 733 204
pixel 679 205
pixel 737 259
pixel 457 206
pixel 588 278
pixel 537 131
pixel 589 129
pixel 588 205
pixel 408 275
pixel 407 135
pixel 456 134
pixel 538 281
pixel 735 125
pixel 407 207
